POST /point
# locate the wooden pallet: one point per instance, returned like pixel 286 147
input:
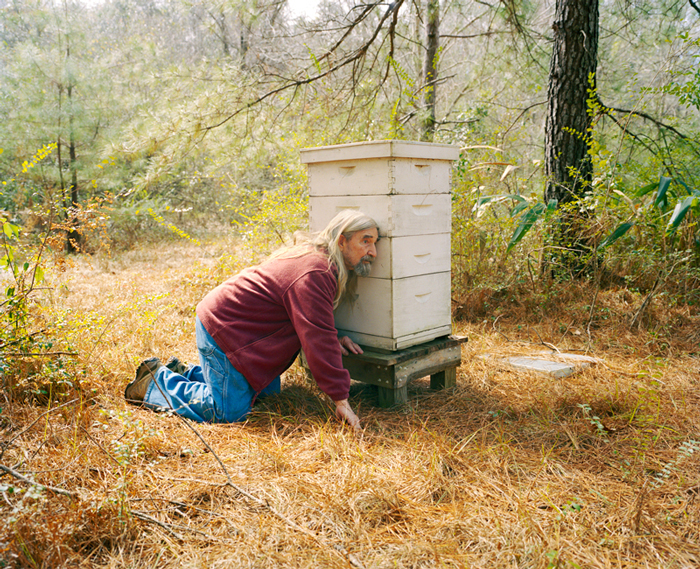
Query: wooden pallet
pixel 392 371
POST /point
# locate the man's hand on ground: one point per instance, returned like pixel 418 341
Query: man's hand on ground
pixel 347 346
pixel 344 412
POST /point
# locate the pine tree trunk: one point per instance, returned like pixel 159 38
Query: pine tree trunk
pixel 432 32
pixel 567 165
pixel 73 240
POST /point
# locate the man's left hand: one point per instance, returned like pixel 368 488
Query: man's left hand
pixel 347 346
pixel 344 412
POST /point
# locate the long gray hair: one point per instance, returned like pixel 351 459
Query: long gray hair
pixel 347 223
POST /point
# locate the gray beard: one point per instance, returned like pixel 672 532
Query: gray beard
pixel 363 268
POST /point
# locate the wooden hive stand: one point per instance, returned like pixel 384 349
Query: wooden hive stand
pixel 391 371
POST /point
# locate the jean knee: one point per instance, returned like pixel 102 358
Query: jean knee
pixel 233 413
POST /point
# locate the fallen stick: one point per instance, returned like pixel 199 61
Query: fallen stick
pixel 29 481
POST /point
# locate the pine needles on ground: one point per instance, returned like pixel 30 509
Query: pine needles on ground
pixel 508 469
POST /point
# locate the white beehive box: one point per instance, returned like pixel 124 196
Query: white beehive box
pixel 405 187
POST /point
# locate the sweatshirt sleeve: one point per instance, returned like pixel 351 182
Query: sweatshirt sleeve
pixel 309 303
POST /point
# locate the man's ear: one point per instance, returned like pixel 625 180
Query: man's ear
pixel 341 241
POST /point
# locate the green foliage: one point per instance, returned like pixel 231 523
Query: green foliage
pixel 314 59
pixel 198 128
pixel 132 443
pixel 128 449
pixel 686 81
pixel 594 421
pixel 658 211
pixel 615 235
pixel 270 218
pixel 528 217
pixel 54 92
pixel 685 451
pixel 496 203
pixel 171 227
pixel 408 90
pixel 28 372
pixel 30 500
pixel 31 370
pixel 26 271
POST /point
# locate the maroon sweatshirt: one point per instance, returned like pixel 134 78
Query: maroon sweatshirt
pixel 264 314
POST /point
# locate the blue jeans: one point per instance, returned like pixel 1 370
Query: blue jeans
pixel 212 392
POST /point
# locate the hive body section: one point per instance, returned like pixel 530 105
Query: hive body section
pixel 405 187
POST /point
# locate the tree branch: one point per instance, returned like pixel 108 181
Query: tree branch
pixel 365 12
pixel 171 527
pixel 606 109
pixel 626 130
pixel 526 109
pixel 645 116
pixel 166 527
pixel 353 58
pixel 18 476
pixel 488 34
pixel 40 354
pixel 6 444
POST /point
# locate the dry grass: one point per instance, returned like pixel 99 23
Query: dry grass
pixel 508 469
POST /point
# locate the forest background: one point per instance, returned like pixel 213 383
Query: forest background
pixel 165 136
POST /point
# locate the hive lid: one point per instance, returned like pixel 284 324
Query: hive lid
pixel 380 149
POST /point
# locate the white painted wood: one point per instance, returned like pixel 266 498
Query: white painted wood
pixel 379 176
pixel 397 216
pixel 405 187
pixel 401 257
pixel 393 344
pixel 416 176
pixel 395 308
pixel 347 178
pixel 380 149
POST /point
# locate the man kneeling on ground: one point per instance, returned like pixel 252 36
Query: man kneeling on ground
pixel 250 329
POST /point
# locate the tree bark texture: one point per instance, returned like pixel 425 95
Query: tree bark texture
pixel 73 238
pixel 568 167
pixel 574 60
pixel 432 33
